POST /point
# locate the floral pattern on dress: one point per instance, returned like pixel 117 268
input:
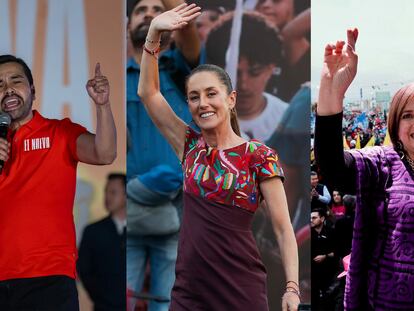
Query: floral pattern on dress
pixel 229 176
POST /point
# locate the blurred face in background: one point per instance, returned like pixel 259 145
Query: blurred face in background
pixel 316 220
pixel 140 20
pixel 115 195
pixel 205 22
pixel 337 198
pixel 277 12
pixel 314 181
pixel 251 83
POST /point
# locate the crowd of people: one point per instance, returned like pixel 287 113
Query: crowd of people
pixel 332 219
pixel 270 90
pixel 381 178
pixel 218 104
pixel 361 128
pixel 333 210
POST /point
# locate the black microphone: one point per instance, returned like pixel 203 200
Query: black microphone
pixel 5 121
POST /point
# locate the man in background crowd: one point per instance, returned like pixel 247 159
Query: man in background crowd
pixel 320 196
pixel 153 171
pixel 323 261
pixel 102 256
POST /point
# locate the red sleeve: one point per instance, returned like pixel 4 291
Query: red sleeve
pixel 266 162
pixel 71 132
pixel 191 139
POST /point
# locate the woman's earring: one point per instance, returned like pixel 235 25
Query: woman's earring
pixel 400 149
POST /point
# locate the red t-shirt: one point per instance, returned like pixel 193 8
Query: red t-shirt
pixel 338 210
pixel 37 189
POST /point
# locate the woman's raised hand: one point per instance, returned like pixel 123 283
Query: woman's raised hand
pixel 339 70
pixel 176 18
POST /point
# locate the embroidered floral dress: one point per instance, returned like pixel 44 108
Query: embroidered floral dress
pixel 218 265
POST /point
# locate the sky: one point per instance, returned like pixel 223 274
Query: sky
pixel 385 44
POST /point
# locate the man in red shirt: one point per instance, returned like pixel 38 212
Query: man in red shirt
pixel 37 188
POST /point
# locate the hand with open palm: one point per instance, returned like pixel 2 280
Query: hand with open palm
pixel 174 19
pixel 339 70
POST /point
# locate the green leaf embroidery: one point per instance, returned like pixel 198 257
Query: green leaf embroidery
pixel 233 154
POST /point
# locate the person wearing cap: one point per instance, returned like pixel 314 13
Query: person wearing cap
pixel 37 186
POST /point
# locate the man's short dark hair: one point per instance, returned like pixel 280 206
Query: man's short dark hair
pixel 7 58
pixel 130 7
pixel 260 42
pixel 121 176
pixel 320 211
pixel 313 173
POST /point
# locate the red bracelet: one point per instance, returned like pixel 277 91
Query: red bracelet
pixel 154 52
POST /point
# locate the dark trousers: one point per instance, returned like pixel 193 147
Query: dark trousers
pixel 49 293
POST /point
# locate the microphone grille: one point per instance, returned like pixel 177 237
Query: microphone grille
pixel 5 119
